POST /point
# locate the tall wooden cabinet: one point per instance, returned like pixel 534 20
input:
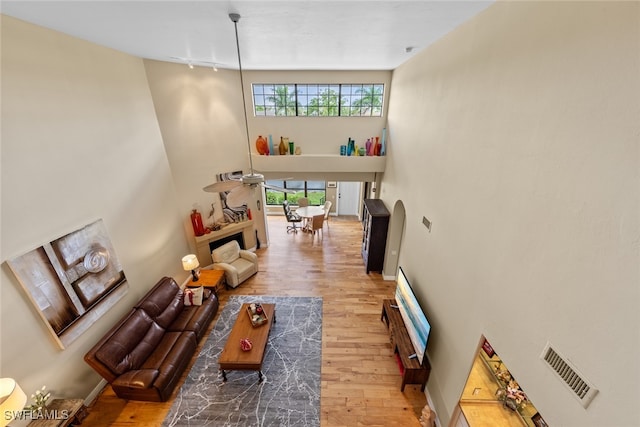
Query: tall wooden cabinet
pixel 374 238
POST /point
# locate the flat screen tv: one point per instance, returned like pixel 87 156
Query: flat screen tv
pixel 414 318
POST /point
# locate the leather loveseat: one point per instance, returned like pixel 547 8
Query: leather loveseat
pixel 144 355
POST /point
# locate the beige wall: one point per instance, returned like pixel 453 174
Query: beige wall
pixel 201 119
pixel 80 141
pixel 517 135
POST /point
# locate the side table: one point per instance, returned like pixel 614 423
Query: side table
pixel 62 413
pixel 209 279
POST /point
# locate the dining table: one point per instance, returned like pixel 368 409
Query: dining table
pixel 308 212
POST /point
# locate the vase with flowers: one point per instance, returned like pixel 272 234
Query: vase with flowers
pixel 40 399
pixel 512 396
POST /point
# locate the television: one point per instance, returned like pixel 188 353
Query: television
pixel 414 318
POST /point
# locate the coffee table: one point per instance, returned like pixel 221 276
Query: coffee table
pixel 232 357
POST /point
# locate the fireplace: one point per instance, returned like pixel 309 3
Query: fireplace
pixel 242 232
pixel 238 237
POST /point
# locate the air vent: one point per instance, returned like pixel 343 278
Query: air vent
pixel 581 388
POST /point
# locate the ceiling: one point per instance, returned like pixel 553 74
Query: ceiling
pixel 274 35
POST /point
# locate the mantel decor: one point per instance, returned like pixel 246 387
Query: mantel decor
pixel 72 280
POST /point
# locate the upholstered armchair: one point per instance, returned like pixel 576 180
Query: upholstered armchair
pixel 238 264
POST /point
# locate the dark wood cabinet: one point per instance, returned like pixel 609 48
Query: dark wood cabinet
pixel 375 220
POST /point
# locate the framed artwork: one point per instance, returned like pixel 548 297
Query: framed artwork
pixel 231 213
pixel 72 280
pixel 488 349
pixel 538 421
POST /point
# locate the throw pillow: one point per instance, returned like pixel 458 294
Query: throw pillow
pixel 193 296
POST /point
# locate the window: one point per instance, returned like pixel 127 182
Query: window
pixel 318 100
pixel 315 191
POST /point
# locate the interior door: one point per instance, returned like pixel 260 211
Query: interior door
pixel 348 193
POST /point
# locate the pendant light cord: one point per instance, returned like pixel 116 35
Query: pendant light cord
pixel 235 17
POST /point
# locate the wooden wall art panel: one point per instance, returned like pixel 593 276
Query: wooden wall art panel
pixel 72 281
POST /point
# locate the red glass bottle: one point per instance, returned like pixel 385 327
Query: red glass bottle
pixel 196 221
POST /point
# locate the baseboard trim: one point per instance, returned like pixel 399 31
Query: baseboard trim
pixel 431 405
pixel 88 401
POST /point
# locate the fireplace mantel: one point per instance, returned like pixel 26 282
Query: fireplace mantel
pixel 202 242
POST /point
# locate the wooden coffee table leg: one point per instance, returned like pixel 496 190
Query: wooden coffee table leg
pixel 259 376
pixel 224 375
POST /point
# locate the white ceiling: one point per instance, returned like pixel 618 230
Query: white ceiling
pixel 274 35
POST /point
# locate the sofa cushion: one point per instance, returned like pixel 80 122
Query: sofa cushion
pixel 175 363
pixel 245 268
pixel 197 318
pixel 228 252
pixel 131 344
pixel 164 347
pixel 138 378
pixel 164 302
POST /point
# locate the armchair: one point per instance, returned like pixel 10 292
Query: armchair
pixel 238 264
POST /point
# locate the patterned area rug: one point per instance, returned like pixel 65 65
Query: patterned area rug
pixel 289 394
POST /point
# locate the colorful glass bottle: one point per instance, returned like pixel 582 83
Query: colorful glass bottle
pixel 196 222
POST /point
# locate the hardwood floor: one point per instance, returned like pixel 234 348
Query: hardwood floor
pixel 360 378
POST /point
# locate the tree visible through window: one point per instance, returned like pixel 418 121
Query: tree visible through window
pixel 318 100
pixel 314 191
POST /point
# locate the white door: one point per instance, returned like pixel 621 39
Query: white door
pixel 348 193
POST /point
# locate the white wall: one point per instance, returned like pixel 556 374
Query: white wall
pixel 80 141
pixel 517 135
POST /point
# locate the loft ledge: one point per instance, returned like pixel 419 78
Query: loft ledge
pixel 319 163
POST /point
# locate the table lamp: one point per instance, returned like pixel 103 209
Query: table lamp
pixel 12 400
pixel 190 262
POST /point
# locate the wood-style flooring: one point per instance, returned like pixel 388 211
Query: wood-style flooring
pixel 360 377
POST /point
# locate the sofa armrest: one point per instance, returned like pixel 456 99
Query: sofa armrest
pixel 248 255
pixel 139 378
pixel 228 268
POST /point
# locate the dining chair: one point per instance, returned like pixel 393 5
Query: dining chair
pixel 316 224
pixel 327 208
pixel 302 202
pixel 292 217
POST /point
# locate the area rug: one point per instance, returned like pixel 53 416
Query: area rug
pixel 289 394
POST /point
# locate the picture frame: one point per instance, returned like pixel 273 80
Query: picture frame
pixel 538 421
pixel 489 351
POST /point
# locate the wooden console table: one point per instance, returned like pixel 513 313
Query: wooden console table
pixel 411 370
pixel 62 413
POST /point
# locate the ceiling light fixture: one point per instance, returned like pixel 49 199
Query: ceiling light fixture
pixel 245 184
pixel 190 64
pixel 251 178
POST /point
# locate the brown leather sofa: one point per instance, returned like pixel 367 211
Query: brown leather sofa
pixel 146 352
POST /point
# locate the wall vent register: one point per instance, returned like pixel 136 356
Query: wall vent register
pixel 580 387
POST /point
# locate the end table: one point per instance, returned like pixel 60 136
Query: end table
pixel 209 279
pixel 62 413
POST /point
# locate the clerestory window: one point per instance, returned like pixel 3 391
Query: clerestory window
pixel 318 100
